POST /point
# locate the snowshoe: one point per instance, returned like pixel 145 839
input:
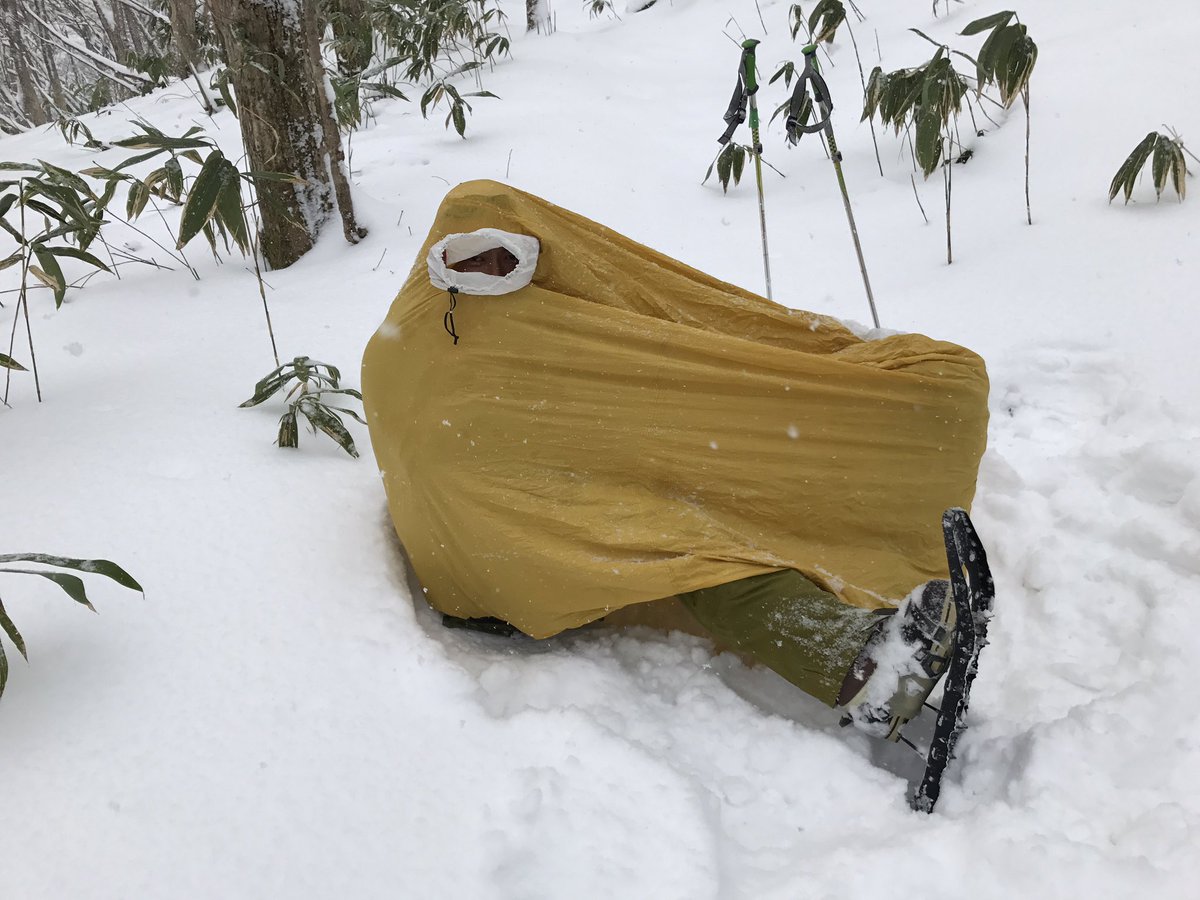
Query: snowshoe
pixel 973 593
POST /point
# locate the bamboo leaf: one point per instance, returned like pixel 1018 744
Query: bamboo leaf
pixel 266 389
pixel 54 270
pixel 135 202
pixel 13 635
pixel 1127 174
pixel 460 119
pixel 334 376
pixel 70 203
pixel 16 235
pixel 1001 53
pixel 786 71
pixel 67 179
pixel 1013 70
pixel 7 362
pixel 725 166
pixel 134 160
pixel 110 190
pixel 81 255
pixel 105 567
pixel 1160 166
pixel 11 260
pixel 825 19
pixel 229 207
pixel 322 419
pixel 739 164
pixel 1000 18
pixel 41 276
pixel 929 141
pixel 72 585
pixel 289 432
pixel 354 415
pixel 386 89
pixel 202 199
pixel 3 669
pixel 174 174
pixel 99 172
pixel 220 81
pixel 1179 170
pixel 152 180
pixel 876 86
pixel 985 66
pixel 159 142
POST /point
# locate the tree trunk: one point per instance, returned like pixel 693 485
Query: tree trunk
pixel 56 88
pixel 355 38
pixel 535 15
pixel 286 121
pixel 183 36
pixel 120 49
pixel 14 28
pixel 123 24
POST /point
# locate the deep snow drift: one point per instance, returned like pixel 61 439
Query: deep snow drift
pixel 282 717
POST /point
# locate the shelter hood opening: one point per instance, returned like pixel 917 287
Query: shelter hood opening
pixel 454 248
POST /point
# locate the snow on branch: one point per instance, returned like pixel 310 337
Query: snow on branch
pixel 145 10
pixel 111 69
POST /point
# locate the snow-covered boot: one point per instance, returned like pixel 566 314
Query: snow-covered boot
pixel 897 670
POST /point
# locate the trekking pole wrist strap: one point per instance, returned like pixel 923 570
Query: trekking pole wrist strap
pixel 822 102
pixel 747 85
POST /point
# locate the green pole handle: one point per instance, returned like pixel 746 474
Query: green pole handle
pixel 748 65
pixel 749 79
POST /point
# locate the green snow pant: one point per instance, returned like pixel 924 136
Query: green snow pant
pixel 788 624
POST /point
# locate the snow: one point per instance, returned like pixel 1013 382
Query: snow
pixel 282 715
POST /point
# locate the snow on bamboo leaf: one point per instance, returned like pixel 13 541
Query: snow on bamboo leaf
pixel 1168 166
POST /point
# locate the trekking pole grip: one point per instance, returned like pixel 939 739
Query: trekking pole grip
pixel 749 76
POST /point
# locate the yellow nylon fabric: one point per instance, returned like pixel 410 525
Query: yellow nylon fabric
pixel 626 428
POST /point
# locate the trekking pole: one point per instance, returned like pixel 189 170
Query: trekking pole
pixel 735 115
pixel 799 109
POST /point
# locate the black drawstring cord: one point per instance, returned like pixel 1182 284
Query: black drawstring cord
pixel 448 318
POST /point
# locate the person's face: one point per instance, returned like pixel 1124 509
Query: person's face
pixel 497 262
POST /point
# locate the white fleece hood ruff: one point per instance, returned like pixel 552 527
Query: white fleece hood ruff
pixel 455 248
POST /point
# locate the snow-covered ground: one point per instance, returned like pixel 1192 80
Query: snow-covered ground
pixel 281 717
